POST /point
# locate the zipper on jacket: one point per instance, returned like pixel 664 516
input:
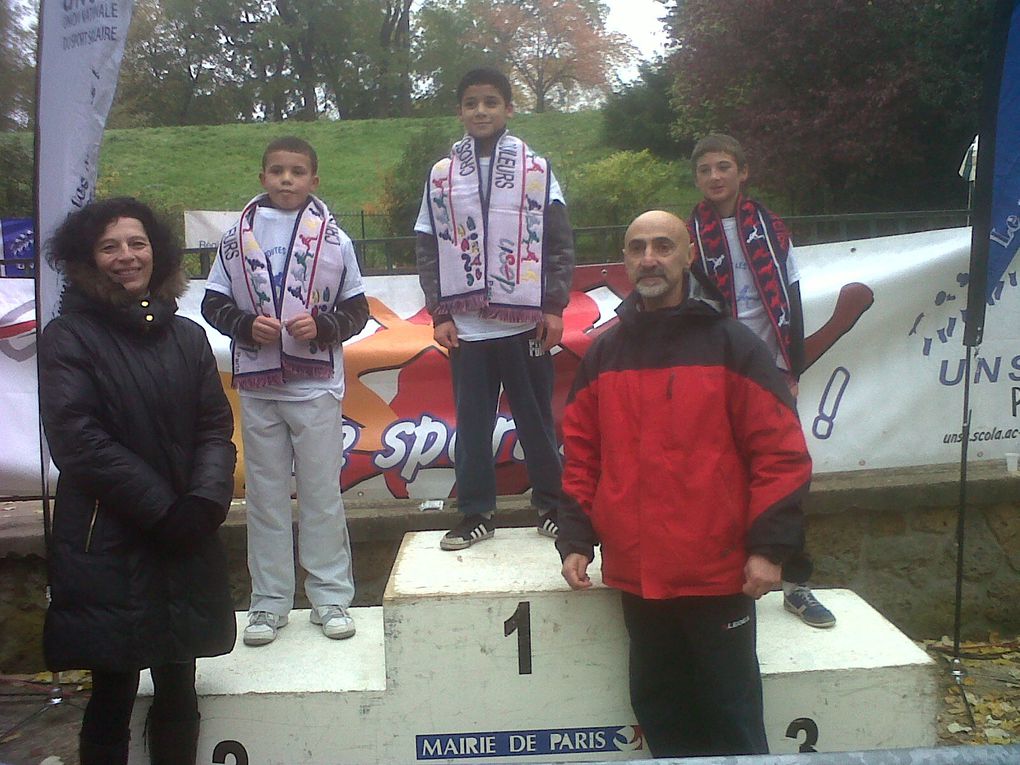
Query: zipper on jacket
pixel 669 386
pixel 92 526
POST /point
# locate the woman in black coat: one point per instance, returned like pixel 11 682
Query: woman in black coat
pixel 139 426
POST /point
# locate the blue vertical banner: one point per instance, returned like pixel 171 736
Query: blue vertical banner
pixel 996 218
pixel 1004 237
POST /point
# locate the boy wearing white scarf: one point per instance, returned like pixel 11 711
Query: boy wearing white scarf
pixel 495 260
pixel 287 290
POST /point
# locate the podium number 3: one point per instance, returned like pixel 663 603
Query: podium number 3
pixel 809 728
pixel 520 622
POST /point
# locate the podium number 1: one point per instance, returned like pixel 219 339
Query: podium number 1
pixel 520 622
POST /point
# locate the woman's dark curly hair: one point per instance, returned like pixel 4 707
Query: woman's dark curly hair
pixel 71 248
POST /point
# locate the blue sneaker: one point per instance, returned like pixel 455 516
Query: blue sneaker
pixel 802 601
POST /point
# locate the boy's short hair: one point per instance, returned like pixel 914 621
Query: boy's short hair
pixel 719 142
pixel 294 144
pixel 486 75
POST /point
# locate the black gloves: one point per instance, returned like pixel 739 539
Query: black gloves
pixel 187 523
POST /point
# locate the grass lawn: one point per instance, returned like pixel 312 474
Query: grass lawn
pixel 216 167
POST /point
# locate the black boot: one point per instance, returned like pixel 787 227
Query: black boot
pixel 93 753
pixel 172 742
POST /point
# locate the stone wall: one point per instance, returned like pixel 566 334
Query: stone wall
pixel 889 535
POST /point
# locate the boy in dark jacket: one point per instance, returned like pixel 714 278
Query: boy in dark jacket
pixel 495 259
pixel 745 250
pixel 686 462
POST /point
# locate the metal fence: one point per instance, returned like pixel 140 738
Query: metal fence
pixel 597 244
pixel 602 244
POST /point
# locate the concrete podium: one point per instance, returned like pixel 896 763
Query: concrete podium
pixel 485 655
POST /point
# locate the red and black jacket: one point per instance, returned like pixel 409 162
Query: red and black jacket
pixel 684 454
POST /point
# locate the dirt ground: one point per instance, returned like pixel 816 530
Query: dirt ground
pixel 992 687
pixel 39 726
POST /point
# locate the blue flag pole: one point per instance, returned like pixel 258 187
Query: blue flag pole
pixel 995 236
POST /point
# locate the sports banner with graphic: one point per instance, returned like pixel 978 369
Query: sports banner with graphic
pixel 884 319
pixel 81 43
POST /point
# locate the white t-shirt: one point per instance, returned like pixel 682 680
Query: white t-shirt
pixel 471 326
pixel 273 230
pixel 750 310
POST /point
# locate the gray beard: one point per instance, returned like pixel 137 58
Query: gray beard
pixel 652 290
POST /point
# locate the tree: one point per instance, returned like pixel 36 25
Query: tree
pixel 450 40
pixel 184 64
pixel 553 51
pixel 15 176
pixel 395 42
pixel 639 115
pixel 834 100
pixel 208 61
pixel 613 190
pixel 403 184
pixel 17 70
pixel 555 47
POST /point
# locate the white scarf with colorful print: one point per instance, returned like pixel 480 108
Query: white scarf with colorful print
pixel 490 238
pixel 312 278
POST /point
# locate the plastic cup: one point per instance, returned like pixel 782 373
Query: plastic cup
pixel 1011 461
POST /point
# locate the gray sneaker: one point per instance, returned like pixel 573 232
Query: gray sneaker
pixel 336 623
pixel 262 627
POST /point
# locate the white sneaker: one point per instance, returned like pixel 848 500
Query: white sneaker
pixel 336 623
pixel 262 627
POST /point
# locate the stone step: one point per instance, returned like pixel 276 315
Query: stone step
pixel 486 653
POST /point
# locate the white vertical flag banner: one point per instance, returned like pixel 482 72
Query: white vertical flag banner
pixel 81 43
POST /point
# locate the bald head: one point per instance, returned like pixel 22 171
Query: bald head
pixel 656 255
pixel 659 220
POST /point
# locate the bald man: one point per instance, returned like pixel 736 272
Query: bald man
pixel 686 462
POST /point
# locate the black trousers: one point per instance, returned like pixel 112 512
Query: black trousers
pixel 695 685
pixel 107 717
pixel 798 568
pixel 479 368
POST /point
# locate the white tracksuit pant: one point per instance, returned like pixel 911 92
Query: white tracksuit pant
pixel 307 434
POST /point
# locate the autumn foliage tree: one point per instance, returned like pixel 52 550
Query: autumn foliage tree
pixel 842 105
pixel 554 51
pixel 554 47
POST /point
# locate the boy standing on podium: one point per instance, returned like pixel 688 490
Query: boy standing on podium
pixel 495 258
pixel 286 289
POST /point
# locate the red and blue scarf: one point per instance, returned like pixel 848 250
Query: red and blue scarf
pixel 766 245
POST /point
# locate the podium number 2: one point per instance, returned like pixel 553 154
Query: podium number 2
pixel 520 622
pixel 232 748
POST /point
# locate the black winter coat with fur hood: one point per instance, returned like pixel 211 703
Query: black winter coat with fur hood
pixel 137 422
